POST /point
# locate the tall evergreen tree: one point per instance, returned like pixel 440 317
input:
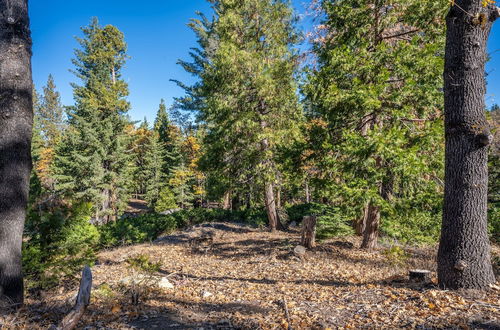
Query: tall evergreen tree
pixel 246 94
pixel 16 120
pixel 375 108
pixel 92 162
pixel 464 250
pixel 154 164
pixel 50 113
pixel 169 137
pixel 49 123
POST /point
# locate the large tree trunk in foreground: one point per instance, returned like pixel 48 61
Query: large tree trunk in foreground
pixel 16 120
pixel 464 250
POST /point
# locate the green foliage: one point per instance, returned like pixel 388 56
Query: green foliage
pixel 396 256
pixel 331 221
pixel 143 263
pixel 92 162
pixel 59 243
pixel 417 226
pixel 130 230
pixel 246 95
pixel 375 132
pixel 148 227
pixel 169 137
pixel 166 200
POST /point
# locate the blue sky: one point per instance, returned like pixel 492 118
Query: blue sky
pixel 157 37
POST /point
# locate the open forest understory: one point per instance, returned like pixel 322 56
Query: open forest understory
pixel 342 176
pixel 243 277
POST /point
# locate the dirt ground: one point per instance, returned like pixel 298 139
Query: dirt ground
pixel 229 276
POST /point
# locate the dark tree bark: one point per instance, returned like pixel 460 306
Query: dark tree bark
pixel 370 234
pixel 16 121
pixel 464 250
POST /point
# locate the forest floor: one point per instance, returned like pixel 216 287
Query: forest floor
pixel 248 278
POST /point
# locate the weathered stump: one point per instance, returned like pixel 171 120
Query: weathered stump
pixel 82 301
pixel 420 276
pixel 309 232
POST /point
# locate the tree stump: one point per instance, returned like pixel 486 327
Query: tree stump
pixel 309 232
pixel 82 301
pixel 420 276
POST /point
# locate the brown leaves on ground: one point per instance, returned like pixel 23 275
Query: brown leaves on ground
pixel 245 277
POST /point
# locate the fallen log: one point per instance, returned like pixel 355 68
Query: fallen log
pixel 71 320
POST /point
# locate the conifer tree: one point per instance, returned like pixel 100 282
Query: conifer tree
pixel 376 106
pixel 49 123
pixel 464 250
pixel 246 94
pixel 92 162
pixel 16 120
pixel 169 137
pixel 50 113
pixel 154 165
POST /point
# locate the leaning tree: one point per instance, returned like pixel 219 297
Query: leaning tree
pixel 16 119
pixel 464 250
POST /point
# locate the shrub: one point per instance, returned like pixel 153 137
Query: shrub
pixel 332 221
pixel 166 200
pixel 147 227
pixel 130 230
pixel 58 244
pixel 416 227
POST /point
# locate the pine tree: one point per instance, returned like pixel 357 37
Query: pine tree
pixel 92 161
pixel 464 250
pixel 376 108
pixel 50 113
pixel 16 119
pixel 246 94
pixel 169 136
pixel 139 144
pixel 154 165
pixel 49 123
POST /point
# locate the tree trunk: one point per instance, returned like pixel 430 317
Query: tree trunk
pixel 269 199
pixel 464 250
pixel 361 223
pixel 370 234
pixel 226 205
pixel 270 202
pixel 278 198
pixel 308 239
pixel 16 121
pixel 307 192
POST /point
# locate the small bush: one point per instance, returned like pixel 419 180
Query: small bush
pixel 130 230
pixel 166 201
pixel 396 256
pixel 59 244
pixel 332 221
pixel 147 227
pixel 415 227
